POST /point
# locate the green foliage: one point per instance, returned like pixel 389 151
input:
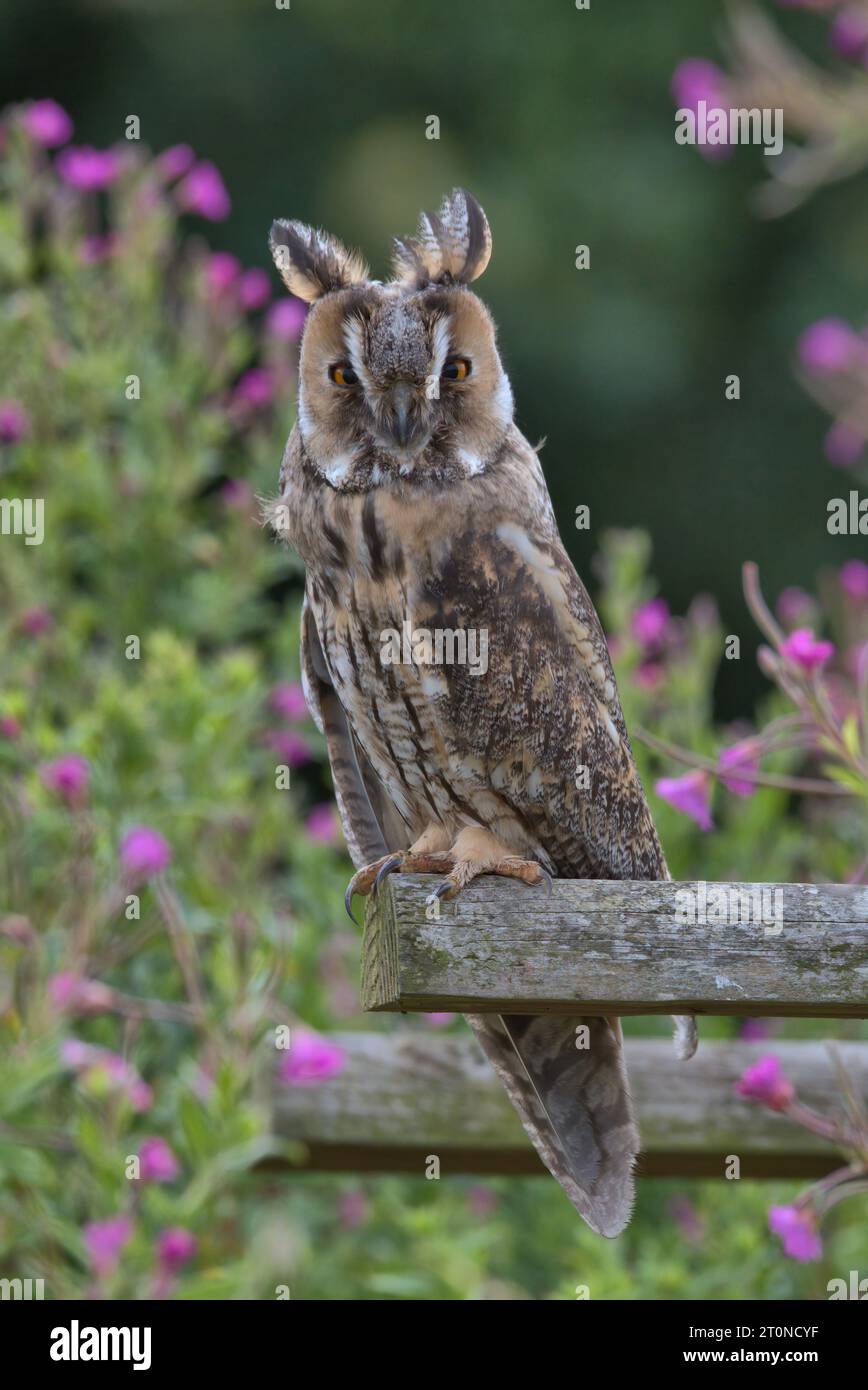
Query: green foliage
pixel 245 930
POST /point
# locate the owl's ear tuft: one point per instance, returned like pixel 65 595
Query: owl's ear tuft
pixel 313 263
pixel 450 247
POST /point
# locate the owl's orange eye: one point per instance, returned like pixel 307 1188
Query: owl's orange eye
pixel 342 374
pixel 457 369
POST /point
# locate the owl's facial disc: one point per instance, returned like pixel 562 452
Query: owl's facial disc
pixel 401 383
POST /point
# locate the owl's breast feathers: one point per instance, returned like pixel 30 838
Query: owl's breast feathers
pixel 470 663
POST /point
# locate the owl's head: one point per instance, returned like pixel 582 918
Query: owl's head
pixel 398 381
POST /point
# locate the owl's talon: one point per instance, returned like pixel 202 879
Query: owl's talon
pixel 348 899
pixel 368 879
pixel 446 889
pixel 389 867
pixel 462 868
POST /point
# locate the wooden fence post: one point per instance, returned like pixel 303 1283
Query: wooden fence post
pixel 602 947
pixel 405 1094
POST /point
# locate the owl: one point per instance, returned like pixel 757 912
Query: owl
pixel 428 537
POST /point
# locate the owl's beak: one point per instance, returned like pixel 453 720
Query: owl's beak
pixel 400 423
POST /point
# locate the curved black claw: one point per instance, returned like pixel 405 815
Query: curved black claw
pixel 443 890
pixel 548 880
pixel 348 899
pixel 389 867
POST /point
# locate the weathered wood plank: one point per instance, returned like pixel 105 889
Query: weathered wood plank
pixel 402 1096
pixel 619 948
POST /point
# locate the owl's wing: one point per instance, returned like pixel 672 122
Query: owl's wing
pixel 370 821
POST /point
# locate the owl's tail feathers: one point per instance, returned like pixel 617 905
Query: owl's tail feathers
pixel 685 1039
pixel 567 1080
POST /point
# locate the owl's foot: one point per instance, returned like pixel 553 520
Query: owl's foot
pixel 408 861
pixel 476 852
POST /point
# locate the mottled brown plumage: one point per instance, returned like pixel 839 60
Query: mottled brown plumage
pixel 417 505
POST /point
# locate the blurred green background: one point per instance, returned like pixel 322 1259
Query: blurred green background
pixel 562 123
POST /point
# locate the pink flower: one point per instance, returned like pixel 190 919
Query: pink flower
pixel 255 388
pixel 78 1055
pixel 83 167
pixel 310 1059
pixel 323 824
pixel 14 422
pixel 848 35
pixel 698 79
pixel 104 1241
pixel 740 757
pixel 62 988
pixel 35 621
pixel 9 727
pixel 292 748
pixel 68 776
pixel 70 993
pixel 204 192
pixel 695 80
pixel 285 319
pixel 254 291
pixel 288 699
pixel 803 649
pixel 853 579
pixel 481 1201
pixel 157 1163
pixel 794 606
pixel 765 1082
pixel 797 1229
pixel 175 161
pixel 843 445
pixel 47 123
pixel 237 495
pixel 99 1066
pixel 754 1030
pixel 144 853
pixel 438 1020
pixel 175 1246
pixel 830 345
pixel 650 622
pixel 690 794
pixel 221 273
pixel 352 1209
pixel 687 1219
pixel 649 675
pixel 96 249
